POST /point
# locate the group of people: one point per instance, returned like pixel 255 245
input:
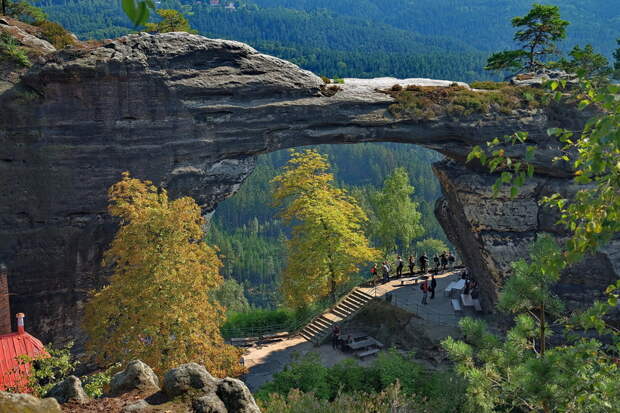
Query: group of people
pixel 471 286
pixel 428 287
pixel 443 261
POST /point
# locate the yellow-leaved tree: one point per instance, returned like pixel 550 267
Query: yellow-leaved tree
pixel 157 307
pixel 328 243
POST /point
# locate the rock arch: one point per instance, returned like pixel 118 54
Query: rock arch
pixel 191 113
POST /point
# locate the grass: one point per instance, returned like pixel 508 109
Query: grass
pixel 10 49
pixel 428 102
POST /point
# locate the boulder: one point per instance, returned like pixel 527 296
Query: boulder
pixel 236 396
pixel 27 39
pixel 25 403
pixel 68 390
pixel 188 377
pixel 209 404
pixel 138 407
pixel 136 376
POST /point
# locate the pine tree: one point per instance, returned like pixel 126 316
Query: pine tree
pixel 539 31
pixel 328 243
pixel 172 21
pixel 158 306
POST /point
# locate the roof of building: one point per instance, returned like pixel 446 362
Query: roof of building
pixel 13 345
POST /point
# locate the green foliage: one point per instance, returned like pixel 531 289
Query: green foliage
pixel 396 221
pixel 587 63
pixel 46 370
pixel 431 246
pixel 55 34
pixel 261 321
pixel 10 49
pixel 171 21
pixel 96 383
pixel 514 169
pixel 306 382
pixel 428 102
pixel 539 30
pixel 24 11
pixel 230 296
pixel 138 10
pixel 593 216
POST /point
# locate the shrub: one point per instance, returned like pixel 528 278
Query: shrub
pixel 339 80
pixel 306 385
pixel 258 321
pixel 326 80
pixel 56 34
pixel 488 85
pixel 10 49
pixel 397 88
pixel 427 102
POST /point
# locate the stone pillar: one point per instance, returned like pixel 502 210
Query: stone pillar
pixel 5 307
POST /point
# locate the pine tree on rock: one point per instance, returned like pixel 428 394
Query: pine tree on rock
pixel 539 31
pixel 158 306
pixel 328 243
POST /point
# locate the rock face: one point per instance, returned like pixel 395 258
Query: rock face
pixel 190 113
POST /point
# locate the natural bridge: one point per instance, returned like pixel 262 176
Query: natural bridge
pixel 191 113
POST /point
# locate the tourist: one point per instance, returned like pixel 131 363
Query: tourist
pixel 451 260
pixel 444 260
pixel 335 336
pixel 386 272
pixel 373 274
pixel 433 286
pixel 424 287
pixel 436 261
pixel 399 267
pixel 423 262
pixel 411 264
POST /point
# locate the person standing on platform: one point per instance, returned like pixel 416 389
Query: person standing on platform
pixel 399 267
pixel 433 286
pixel 424 287
pixel 411 264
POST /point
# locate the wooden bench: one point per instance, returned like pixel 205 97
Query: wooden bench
pixel 456 305
pixel 477 305
pixel 367 353
pixel 243 341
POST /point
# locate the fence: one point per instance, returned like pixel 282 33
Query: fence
pixel 296 325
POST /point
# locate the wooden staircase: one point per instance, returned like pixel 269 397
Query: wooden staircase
pixel 320 326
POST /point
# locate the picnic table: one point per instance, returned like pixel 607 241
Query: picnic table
pixel 455 285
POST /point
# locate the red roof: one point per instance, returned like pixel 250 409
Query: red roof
pixel 13 345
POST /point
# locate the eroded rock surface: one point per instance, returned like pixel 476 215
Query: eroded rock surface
pixel 190 113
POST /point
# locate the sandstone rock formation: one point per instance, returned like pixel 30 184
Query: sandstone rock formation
pixel 191 113
pixel 68 390
pixel 136 376
pixel 25 403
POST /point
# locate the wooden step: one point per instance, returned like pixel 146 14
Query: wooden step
pixel 356 298
pixel 362 294
pixel 341 313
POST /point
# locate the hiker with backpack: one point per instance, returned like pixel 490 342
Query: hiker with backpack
pixel 386 272
pixel 436 261
pixel 411 264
